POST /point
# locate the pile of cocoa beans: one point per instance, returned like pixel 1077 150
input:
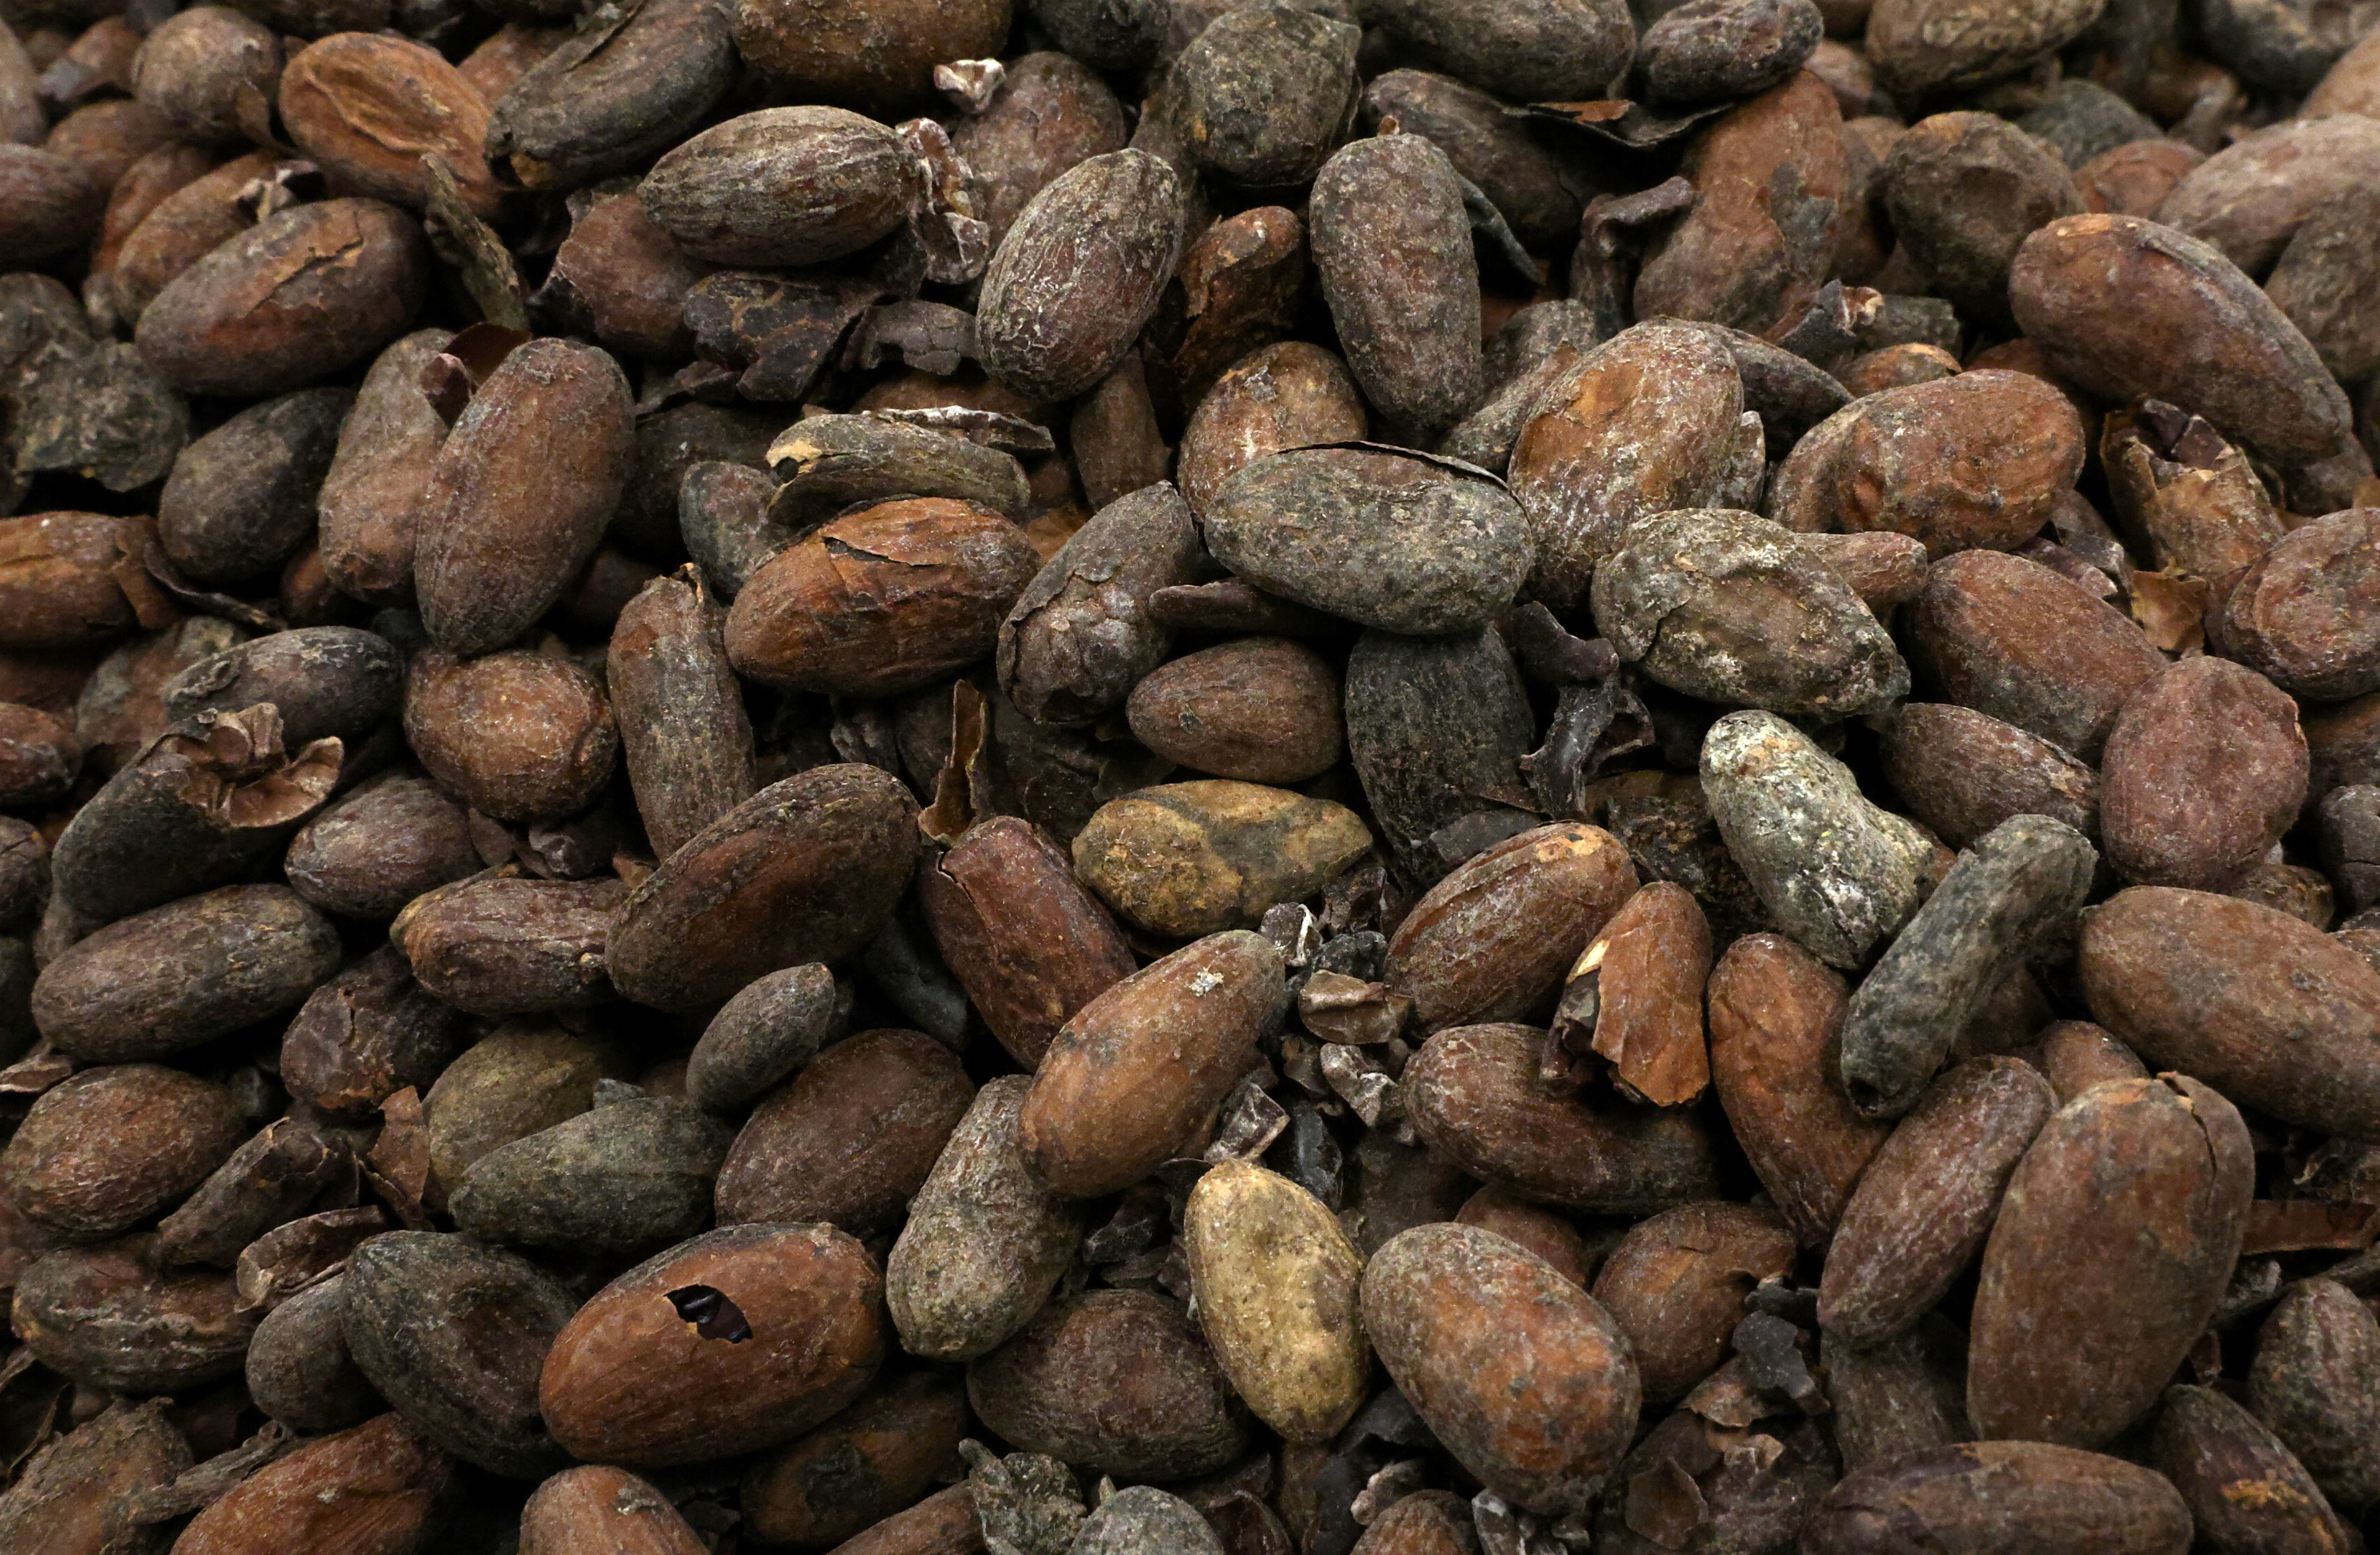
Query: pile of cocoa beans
pixel 1190 777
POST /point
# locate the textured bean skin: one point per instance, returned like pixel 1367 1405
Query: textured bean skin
pixel 1393 249
pixel 1521 1373
pixel 2263 1006
pixel 985 1242
pixel 520 493
pixel 2072 1345
pixel 2191 329
pixel 1999 1498
pixel 1117 1380
pixel 1134 1071
pixel 1079 274
pixel 1921 1210
pixel 1474 1097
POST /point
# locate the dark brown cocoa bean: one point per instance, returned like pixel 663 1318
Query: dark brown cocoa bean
pixel 1436 727
pixel 875 56
pixel 1133 1074
pixel 832 183
pixel 80 1488
pixel 1536 51
pixel 1527 182
pixel 53 203
pixel 687 744
pixel 1703 50
pixel 2311 1383
pixel 1676 1283
pixel 808 1302
pixel 2244 1490
pixel 453 1334
pixel 2320 278
pixel 519 493
pixel 2194 332
pixel 1775 1026
pixel 210 72
pixel 869 1462
pixel 887 600
pixel 183 228
pixel 1997 1498
pixel 1962 774
pixel 1051 114
pixel 1492 941
pixel 103 1317
pixel 1119 1381
pixel 505 946
pixel 184 974
pixel 63 579
pixel 1261 710
pixel 607 99
pixel 2301 615
pixel 1413 343
pixel 630 278
pixel 1080 637
pixel 519 735
pixel 2079 1322
pixel 723 513
pixel 1905 1396
pixel 1669 396
pixel 2204 770
pixel 2017 642
pixel 850 1140
pixel 1027 941
pixel 806 869
pixel 1118 446
pixel 1475 1097
pixel 1292 395
pixel 1925 1202
pixel 370 502
pixel 106 1148
pixel 1079 274
pixel 366 854
pixel 1742 256
pixel 250 317
pixel 299 1371
pixel 326 681
pixel 39 754
pixel 367 109
pixel 1521 1374
pixel 1963 191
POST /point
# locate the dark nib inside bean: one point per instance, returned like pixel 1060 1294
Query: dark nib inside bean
pixel 712 1315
